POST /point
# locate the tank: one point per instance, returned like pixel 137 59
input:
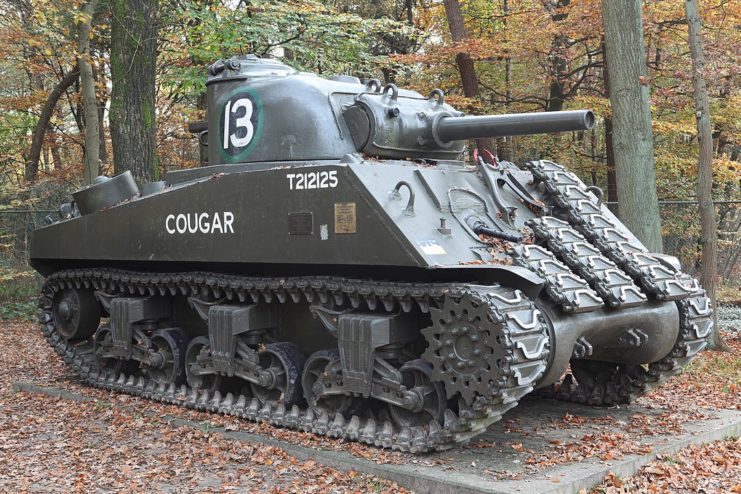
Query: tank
pixel 336 268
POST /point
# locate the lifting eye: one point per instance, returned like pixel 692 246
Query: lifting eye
pixel 396 195
pixel 391 88
pixel 373 85
pixel 437 95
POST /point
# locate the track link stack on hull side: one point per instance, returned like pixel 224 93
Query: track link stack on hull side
pixel 582 218
pixel 510 324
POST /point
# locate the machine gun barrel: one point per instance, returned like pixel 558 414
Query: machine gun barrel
pixel 458 128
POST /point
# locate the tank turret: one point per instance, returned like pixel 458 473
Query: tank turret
pixel 262 110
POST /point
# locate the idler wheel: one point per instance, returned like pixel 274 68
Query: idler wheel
pixel 416 375
pixel 284 361
pixel 102 346
pixel 197 363
pixel 168 362
pixel 466 348
pixel 76 313
pixel 325 363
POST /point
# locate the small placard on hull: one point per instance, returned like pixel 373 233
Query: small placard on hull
pixel 345 219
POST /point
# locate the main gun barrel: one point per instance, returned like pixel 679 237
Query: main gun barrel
pixel 515 124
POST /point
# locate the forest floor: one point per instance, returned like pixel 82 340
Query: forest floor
pixel 712 381
pixel 118 443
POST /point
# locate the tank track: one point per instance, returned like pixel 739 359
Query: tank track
pixel 585 222
pixel 524 326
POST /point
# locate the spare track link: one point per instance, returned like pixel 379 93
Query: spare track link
pixel 581 210
pixel 458 427
pixel 562 286
pixel 612 284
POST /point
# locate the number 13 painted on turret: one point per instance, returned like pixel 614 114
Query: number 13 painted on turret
pixel 243 122
pixel 240 125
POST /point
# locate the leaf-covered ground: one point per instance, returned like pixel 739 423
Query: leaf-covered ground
pixel 50 444
pixel 714 467
pixel 121 443
pixel 713 380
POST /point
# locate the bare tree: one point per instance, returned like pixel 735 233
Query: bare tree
pixel 612 194
pixel 133 61
pixel 709 234
pixel 89 101
pixel 559 62
pixel 466 68
pixel 33 156
pixel 631 134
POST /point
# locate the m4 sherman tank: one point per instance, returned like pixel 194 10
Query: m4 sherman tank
pixel 336 269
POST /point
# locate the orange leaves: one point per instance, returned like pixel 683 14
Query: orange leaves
pixel 482 445
pixel 573 420
pixel 712 468
pixel 712 380
pixel 607 446
pixel 613 480
pixel 725 169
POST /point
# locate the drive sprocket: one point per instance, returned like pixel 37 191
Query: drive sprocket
pixel 466 347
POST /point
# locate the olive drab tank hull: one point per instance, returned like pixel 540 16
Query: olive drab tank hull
pixel 334 268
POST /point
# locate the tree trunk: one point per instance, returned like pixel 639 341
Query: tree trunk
pixel 469 79
pixel 89 101
pixel 132 112
pixel 559 63
pixel 45 160
pixel 708 277
pixel 612 194
pixel 202 104
pixel 612 191
pixel 37 141
pixel 100 80
pixel 632 137
pixel 102 150
pixel 504 145
pixel 458 33
pixel 56 155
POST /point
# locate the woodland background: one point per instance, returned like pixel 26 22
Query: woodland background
pixel 522 56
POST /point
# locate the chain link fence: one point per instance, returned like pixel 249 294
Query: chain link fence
pixel 680 220
pixel 18 284
pixel 16 226
pixel 681 231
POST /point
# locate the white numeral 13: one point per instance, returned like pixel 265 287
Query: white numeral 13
pixel 241 122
